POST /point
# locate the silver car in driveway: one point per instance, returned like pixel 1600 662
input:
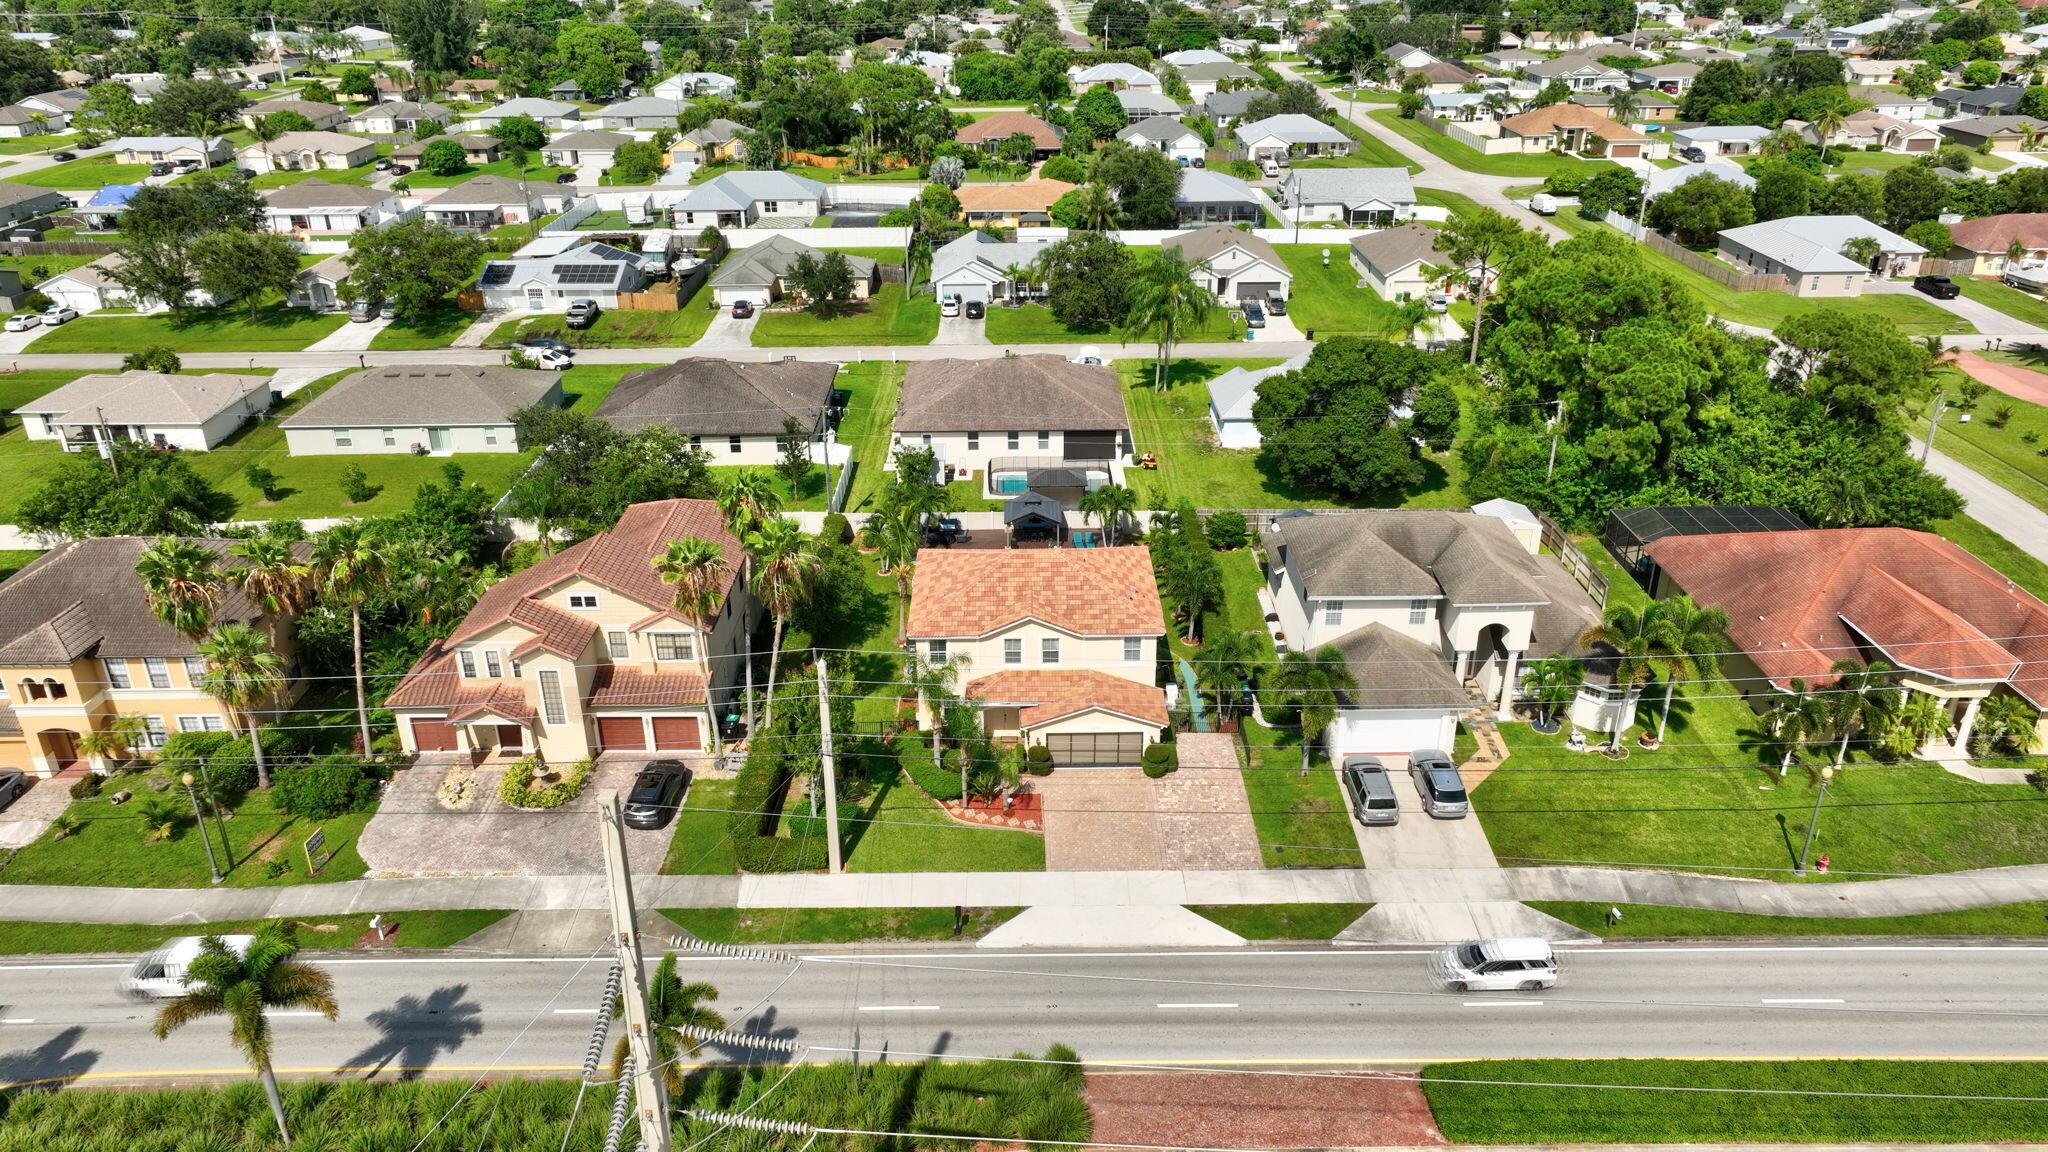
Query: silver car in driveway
pixel 1437 780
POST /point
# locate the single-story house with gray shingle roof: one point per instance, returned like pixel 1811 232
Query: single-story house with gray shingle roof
pixel 735 411
pixel 1374 197
pixel 1207 196
pixel 1226 108
pixel 320 114
pixel 317 206
pixel 319 287
pixel 755 273
pixel 550 113
pixel 1289 134
pixel 647 113
pixel 1165 134
pixel 1203 79
pixel 1999 100
pixel 19 202
pixel 398 117
pixel 741 199
pixel 482 203
pixel 2002 133
pixel 189 412
pixel 171 150
pixel 306 152
pixel 1392 261
pixel 442 408
pixel 477 149
pixel 590 148
pixel 975 266
pixel 1233 264
pixel 548 283
pixel 1808 252
pixel 1231 397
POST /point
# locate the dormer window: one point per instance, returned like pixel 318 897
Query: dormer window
pixel 494 667
pixel 583 601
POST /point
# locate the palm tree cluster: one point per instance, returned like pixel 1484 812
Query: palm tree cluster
pixel 1166 303
pixel 904 510
pixel 1675 637
pixel 1868 704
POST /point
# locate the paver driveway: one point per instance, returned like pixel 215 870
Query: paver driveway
pixel 1114 819
pixel 412 834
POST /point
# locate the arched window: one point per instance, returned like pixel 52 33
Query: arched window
pixel 30 690
pixel 53 687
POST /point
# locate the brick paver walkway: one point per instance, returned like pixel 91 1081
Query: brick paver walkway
pixel 1114 819
pixel 2019 383
pixel 1205 818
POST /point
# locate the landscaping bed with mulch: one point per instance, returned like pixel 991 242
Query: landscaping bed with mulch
pixel 1226 1110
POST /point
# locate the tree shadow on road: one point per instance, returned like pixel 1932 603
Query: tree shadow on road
pixel 53 1064
pixel 414 1032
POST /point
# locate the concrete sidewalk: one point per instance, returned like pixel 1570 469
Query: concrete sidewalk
pixel 1899 896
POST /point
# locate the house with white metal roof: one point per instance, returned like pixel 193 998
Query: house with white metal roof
pixel 1810 253
pixel 742 199
pixel 1290 134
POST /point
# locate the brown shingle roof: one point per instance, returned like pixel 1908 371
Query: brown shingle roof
pixel 706 397
pixel 83 598
pixel 1046 696
pixel 1025 393
pixel 1084 591
pixel 1004 125
pixel 1996 233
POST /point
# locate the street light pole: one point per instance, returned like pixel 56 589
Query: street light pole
pixel 1827 773
pixel 1933 421
pixel 200 817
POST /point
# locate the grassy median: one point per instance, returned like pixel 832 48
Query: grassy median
pixel 415 930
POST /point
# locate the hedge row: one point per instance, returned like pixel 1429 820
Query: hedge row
pixel 914 754
pixel 517 788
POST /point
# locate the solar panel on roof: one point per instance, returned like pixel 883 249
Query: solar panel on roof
pixel 586 274
pixel 494 275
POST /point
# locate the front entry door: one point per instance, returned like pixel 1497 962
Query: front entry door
pixel 62 748
pixel 511 737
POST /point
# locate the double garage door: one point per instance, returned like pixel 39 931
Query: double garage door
pixel 1095 749
pixel 628 734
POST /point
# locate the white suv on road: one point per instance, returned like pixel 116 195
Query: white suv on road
pixel 1511 963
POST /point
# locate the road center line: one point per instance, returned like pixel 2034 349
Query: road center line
pixel 1502 1003
pixel 1194 1005
pixel 1797 1001
pixel 19 1020
pixel 575 1011
pixel 897 1008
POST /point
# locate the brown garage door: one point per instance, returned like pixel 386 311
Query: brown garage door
pixel 677 733
pixel 433 736
pixel 620 734
pixel 1095 749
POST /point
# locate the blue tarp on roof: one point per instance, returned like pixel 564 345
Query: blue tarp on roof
pixel 113 196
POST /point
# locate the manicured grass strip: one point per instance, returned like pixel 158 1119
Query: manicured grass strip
pixel 1472 160
pixel 904 831
pixel 2022 306
pixel 886 318
pixel 2015 565
pixel 108 848
pixel 865 426
pixel 1301 820
pixel 276 328
pixel 436 328
pixel 535 176
pixel 701 846
pixel 1282 921
pixel 1497 1114
pixel 1326 296
pixel 835 925
pixel 1659 922
pixel 415 930
pixel 18 388
pixel 91 172
pixel 614 328
pixel 1035 324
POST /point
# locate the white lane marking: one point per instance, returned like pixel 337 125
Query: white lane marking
pixel 1194 1005
pixel 575 1011
pixel 1802 1001
pixel 19 1020
pixel 897 1008
pixel 275 1015
pixel 1502 1003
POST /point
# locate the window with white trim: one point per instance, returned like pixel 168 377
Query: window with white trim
pixel 1044 440
pixel 494 666
pixel 1013 651
pixel 117 672
pixel 1333 611
pixel 390 437
pixel 1418 611
pixel 344 438
pixel 586 601
pixel 974 441
pixel 1134 649
pixel 1013 441
pixel 674 646
pixel 159 671
pixel 490 435
pixel 732 444
pixel 466 660
pixel 936 649
pixel 195 667
pixel 551 708
pixel 1049 650
pixel 153 732
pixel 615 644
pixel 202 724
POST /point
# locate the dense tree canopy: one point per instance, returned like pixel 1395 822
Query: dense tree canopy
pixel 1329 427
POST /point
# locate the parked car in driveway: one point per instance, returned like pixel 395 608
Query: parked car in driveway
pixel 13 782
pixel 1521 963
pixel 388 310
pixel 1277 305
pixel 23 321
pixel 57 314
pixel 62 157
pixel 1436 778
pixel 741 309
pixel 582 313
pixel 976 310
pixel 949 306
pixel 657 793
pixel 1370 790
pixel 362 312
pixel 1939 287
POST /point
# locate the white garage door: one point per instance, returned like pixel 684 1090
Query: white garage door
pixel 1390 730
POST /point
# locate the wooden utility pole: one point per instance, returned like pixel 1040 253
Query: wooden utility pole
pixel 831 780
pixel 651 1102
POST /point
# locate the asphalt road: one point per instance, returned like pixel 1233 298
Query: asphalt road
pixel 62 1019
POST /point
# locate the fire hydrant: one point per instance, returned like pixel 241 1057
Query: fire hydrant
pixel 1821 865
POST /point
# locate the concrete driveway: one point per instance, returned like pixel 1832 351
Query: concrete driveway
pixel 1984 318
pixel 726 332
pixel 1114 819
pixel 960 330
pixel 350 337
pixel 1420 840
pixel 413 834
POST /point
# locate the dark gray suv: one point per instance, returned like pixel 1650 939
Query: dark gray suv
pixel 1436 779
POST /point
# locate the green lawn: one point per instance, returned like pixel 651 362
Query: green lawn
pixel 18 388
pixel 420 178
pixel 1912 315
pixel 1882 162
pixel 885 319
pixel 1711 799
pixel 1035 324
pixel 36 269
pixel 86 173
pixel 2002 554
pixel 864 429
pixel 225 329
pixel 2023 306
pixel 1651 921
pixel 1367 151
pixel 2011 456
pixel 284 178
pixel 1327 297
pixel 836 925
pixel 43 142
pixel 1174 425
pixel 900 829
pixel 1301 820
pixel 1282 921
pixel 701 846
pixel 1472 160
pixel 1911 1113
pixel 1455 201
pixel 438 929
pixel 108 848
pixel 810 499
pixel 437 328
pixel 614 328
pixel 13 560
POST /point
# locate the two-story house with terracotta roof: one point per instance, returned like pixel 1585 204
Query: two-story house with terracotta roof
pixel 1059 647
pixel 80 646
pixel 585 652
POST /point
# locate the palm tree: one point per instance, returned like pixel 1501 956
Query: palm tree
pixel 1407 317
pixel 1914 721
pixel 242 988
pixel 1623 105
pixel 1314 684
pixel 896 541
pixel 241 672
pixel 2008 723
pixel 1166 301
pixel 937 685
pixel 1795 715
pixel 1113 505
pixel 696 568
pixel 113 740
pixel 1696 636
pixel 1229 662
pixel 1826 123
pixel 1096 208
pixel 182 583
pixel 671 1005
pixel 747 500
pixel 1853 704
pixel 1553 683
pixel 785 564
pixel 351 565
pixel 1641 641
pixel 272 577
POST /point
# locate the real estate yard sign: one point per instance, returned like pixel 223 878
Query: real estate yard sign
pixel 315 858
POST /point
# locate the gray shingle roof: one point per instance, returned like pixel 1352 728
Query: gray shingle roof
pixel 1392 249
pixel 704 397
pixel 760 265
pixel 438 394
pixel 1468 558
pixel 1201 244
pixel 1024 393
pixel 147 398
pixel 321 194
pixel 1395 671
pixel 83 598
pixel 1351 187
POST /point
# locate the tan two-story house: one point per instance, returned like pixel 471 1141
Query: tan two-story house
pixel 585 652
pixel 80 646
pixel 1059 647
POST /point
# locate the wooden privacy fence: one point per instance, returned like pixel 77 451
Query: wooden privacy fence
pixel 57 248
pixel 657 298
pixel 1715 270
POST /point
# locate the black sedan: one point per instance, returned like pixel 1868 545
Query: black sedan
pixel 657 793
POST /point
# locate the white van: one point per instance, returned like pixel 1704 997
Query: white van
pixel 160 974
pixel 1270 167
pixel 1522 963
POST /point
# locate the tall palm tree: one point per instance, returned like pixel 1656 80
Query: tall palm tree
pixel 1697 636
pixel 242 671
pixel 1553 683
pixel 1642 643
pixel 785 564
pixel 896 542
pixel 1795 715
pixel 937 685
pixel 1229 662
pixel 271 576
pixel 1112 505
pixel 1096 207
pixel 748 500
pixel 1623 105
pixel 696 568
pixel 351 566
pixel 1166 302
pixel 1854 702
pixel 1826 123
pixel 242 988
pixel 671 1005
pixel 182 581
pixel 1314 684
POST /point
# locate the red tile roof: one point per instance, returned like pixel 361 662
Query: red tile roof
pixel 435 682
pixel 1046 696
pixel 1995 234
pixel 616 687
pixel 1084 591
pixel 1004 125
pixel 1799 601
